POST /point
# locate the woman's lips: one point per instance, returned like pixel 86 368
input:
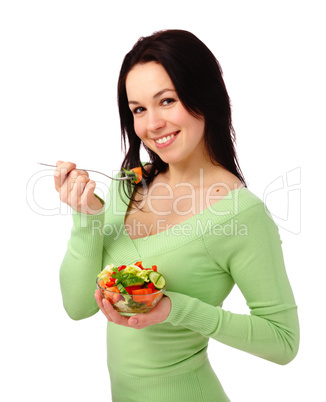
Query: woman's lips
pixel 166 140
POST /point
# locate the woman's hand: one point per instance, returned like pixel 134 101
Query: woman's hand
pixel 76 189
pixel 157 315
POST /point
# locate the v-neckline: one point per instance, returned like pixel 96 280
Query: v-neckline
pixel 187 221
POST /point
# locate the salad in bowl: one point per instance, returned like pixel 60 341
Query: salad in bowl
pixel 131 289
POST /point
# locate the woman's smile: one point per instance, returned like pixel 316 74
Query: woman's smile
pixel 166 140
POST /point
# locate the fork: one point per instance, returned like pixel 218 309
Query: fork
pixel 94 171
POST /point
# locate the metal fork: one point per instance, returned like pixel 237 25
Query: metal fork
pixel 94 171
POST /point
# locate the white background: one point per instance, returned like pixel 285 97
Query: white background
pixel 58 73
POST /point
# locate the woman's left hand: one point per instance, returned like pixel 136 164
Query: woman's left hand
pixel 157 315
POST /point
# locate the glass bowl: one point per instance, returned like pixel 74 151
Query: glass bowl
pixel 129 305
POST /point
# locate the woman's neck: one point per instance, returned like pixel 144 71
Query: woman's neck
pixel 192 172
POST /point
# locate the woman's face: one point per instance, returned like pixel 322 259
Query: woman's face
pixel 160 119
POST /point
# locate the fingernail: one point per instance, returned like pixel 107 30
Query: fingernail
pixel 133 321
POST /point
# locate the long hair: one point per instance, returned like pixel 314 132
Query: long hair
pixel 197 78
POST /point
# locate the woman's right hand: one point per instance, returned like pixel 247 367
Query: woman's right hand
pixel 76 189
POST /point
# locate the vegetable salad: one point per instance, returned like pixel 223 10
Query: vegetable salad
pixel 131 288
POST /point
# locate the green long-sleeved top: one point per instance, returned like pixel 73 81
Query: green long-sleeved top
pixel 233 241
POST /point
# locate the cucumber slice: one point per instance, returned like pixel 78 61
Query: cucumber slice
pixel 158 279
pixel 122 289
pixel 124 293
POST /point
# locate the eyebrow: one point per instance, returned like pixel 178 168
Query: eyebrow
pixel 158 94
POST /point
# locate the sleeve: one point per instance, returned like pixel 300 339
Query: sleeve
pixel 81 264
pixel 255 262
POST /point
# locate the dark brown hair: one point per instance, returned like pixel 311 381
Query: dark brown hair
pixel 197 78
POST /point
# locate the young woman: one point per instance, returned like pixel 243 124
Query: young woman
pixel 192 216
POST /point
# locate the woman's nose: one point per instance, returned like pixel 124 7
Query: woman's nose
pixel 155 121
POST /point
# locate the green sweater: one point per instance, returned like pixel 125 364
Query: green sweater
pixel 233 241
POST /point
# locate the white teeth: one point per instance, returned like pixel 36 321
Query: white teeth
pixel 164 139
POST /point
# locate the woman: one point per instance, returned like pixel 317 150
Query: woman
pixel 192 216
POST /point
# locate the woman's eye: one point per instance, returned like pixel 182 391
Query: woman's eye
pixel 167 101
pixel 138 110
